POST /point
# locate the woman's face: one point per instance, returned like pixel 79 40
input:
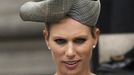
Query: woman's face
pixel 71 44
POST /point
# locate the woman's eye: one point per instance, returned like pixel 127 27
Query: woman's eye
pixel 60 41
pixel 79 40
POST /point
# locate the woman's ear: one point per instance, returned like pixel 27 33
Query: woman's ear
pixel 45 34
pixel 97 34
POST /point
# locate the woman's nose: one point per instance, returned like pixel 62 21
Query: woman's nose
pixel 70 52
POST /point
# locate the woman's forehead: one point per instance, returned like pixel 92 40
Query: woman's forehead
pixel 69 23
pixel 69 27
pixel 68 34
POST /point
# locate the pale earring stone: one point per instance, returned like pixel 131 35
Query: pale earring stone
pixel 94 46
pixel 49 48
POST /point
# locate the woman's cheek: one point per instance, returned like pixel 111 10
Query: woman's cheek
pixel 57 51
pixel 85 50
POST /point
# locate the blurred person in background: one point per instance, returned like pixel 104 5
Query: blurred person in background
pixel 70 31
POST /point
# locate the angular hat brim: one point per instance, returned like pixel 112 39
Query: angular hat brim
pixel 49 11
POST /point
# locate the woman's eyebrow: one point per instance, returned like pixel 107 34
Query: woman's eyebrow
pixel 82 36
pixel 58 37
pixel 75 37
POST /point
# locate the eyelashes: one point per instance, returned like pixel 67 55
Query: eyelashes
pixel 60 41
pixel 75 41
pixel 79 40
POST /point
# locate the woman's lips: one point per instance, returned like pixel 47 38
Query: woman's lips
pixel 71 65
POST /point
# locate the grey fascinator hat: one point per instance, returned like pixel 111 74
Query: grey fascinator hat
pixel 49 11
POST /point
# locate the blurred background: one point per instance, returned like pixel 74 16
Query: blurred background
pixel 23 50
pixel 22 47
pixel 116 23
pixel 116 43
